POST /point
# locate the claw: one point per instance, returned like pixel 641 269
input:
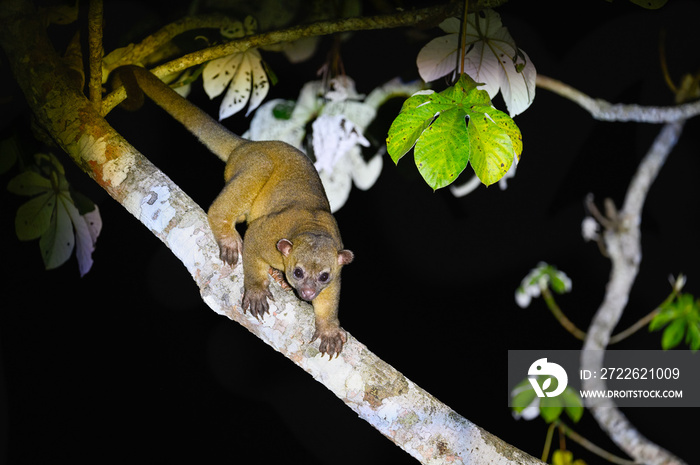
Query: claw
pixel 256 302
pixel 230 249
pixel 332 340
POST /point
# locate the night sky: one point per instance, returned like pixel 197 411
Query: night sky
pixel 128 364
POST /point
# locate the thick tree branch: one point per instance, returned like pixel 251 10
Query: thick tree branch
pixel 622 243
pixel 622 240
pixel 413 419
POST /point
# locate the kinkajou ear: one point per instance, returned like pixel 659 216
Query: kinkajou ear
pixel 284 246
pixel 345 256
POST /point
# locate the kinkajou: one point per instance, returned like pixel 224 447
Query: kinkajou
pixel 275 189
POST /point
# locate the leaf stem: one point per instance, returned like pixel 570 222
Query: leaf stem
pixel 644 320
pixel 586 444
pixel 581 335
pixel 548 441
pixel 464 36
pixel 559 315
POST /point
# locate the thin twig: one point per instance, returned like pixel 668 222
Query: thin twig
pixel 585 443
pixel 559 315
pixel 606 111
pixel 95 19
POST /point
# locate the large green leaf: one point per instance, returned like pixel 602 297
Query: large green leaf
pixel 452 128
pixel 414 118
pixel 441 159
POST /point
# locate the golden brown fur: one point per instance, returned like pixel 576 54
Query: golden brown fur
pixel 276 190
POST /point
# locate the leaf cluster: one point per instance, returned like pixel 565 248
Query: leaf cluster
pixel 550 408
pixel 453 128
pixel 680 321
pixel 56 214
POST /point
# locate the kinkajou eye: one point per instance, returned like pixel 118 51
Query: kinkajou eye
pixel 323 277
pixel 298 273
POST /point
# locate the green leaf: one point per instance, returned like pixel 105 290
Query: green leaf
pixel 574 407
pixel 492 148
pixel 441 159
pixel 673 334
pixel 34 217
pixel 283 110
pixel 550 408
pixel 408 126
pixel 562 457
pixel 29 183
pixel 452 128
pixel 663 318
pixel 524 396
pixel 649 4
pixel 692 337
pixel 680 317
pixel 9 153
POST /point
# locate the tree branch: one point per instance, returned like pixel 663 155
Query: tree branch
pixel 428 15
pixel 95 19
pixel 139 53
pixel 413 419
pixel 606 111
pixel 622 240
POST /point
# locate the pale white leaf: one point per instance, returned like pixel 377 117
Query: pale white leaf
pixel 492 59
pixel 519 89
pixel 337 184
pixel 300 50
pixel 234 30
pixel 260 84
pixel 238 92
pixel 310 101
pixel 265 126
pixel 243 74
pixel 337 132
pixel 218 73
pixel 333 136
pixel 58 241
pixel 365 173
pixel 359 113
pixel 183 90
pixel 250 25
pixel 87 227
pixel 438 57
pixel 451 25
pixel 394 88
pixel 341 89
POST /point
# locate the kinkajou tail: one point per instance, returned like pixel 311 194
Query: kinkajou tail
pixel 210 132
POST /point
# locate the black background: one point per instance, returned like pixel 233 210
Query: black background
pixel 127 363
